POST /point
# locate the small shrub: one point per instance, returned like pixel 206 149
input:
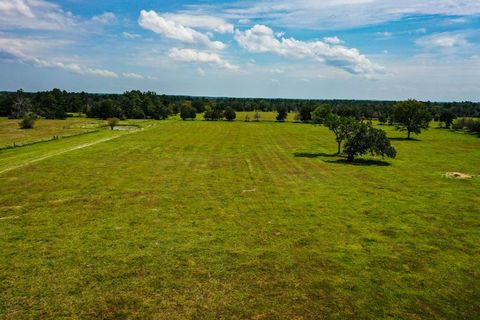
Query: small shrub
pixel 475 126
pixel 256 116
pixel 382 118
pixel 305 113
pixel 212 114
pixel 469 124
pixel 28 120
pixel 229 114
pixel 247 117
pixel 188 112
pixel 282 113
pixel 459 124
pixel 447 117
pixel 112 122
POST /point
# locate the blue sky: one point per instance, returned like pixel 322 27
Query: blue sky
pixel 353 49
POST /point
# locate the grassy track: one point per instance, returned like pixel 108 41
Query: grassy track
pixel 239 220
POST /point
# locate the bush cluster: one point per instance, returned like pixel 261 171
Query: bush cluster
pixel 28 120
pixel 470 124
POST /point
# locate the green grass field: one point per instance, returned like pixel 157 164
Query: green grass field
pixel 237 220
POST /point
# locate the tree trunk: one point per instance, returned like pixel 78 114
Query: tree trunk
pixel 408 134
pixel 350 158
pixel 339 147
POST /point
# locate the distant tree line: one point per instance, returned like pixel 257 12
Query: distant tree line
pixel 57 104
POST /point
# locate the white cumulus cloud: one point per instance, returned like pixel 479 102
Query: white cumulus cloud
pixel 152 21
pixel 332 40
pixel 384 34
pixel 130 35
pixel 132 75
pixel 105 18
pixel 207 22
pixel 191 55
pixel 34 14
pixel 443 40
pixel 261 38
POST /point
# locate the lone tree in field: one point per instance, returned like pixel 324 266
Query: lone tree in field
pixel 282 113
pixel 21 106
pixel 187 112
pixel 363 138
pixel 340 126
pixel 28 120
pixel 382 118
pixel 113 122
pixel 321 113
pixel 305 113
pixel 256 116
pixel 229 114
pixel 411 116
pixel 447 117
pixel 160 112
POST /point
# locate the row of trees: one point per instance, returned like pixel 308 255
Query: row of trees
pixel 56 104
pixel 211 114
pixel 472 125
pixel 411 116
pixel 358 136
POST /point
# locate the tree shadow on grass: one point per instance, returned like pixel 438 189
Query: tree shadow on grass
pixel 403 139
pixel 361 162
pixel 313 154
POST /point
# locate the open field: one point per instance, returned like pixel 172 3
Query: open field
pixel 231 220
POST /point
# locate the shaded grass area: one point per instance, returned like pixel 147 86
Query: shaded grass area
pixel 241 220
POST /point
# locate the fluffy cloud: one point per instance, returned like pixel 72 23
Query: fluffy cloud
pixel 132 75
pixel 261 38
pixel 130 35
pixel 443 41
pixel 191 55
pixel 207 22
pixel 24 50
pixel 105 18
pixel 384 34
pixel 150 20
pixel 332 40
pixel 34 14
